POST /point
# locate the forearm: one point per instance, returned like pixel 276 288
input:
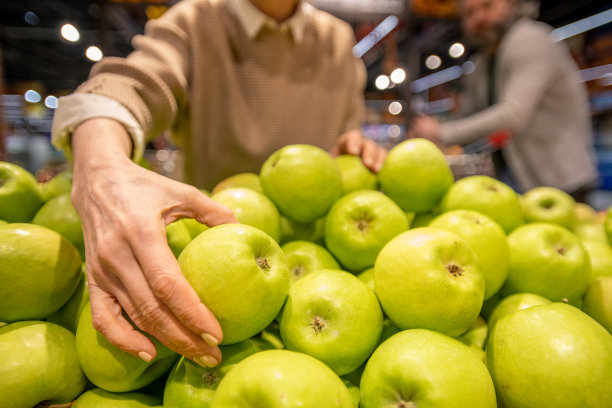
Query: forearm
pixel 100 140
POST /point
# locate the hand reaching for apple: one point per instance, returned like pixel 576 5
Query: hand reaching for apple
pixel 353 143
pixel 130 268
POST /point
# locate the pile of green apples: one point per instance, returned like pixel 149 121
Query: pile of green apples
pixel 338 288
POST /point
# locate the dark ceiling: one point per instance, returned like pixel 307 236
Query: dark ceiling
pixel 36 52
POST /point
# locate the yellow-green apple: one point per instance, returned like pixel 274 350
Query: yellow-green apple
pixel 59 215
pixel 423 219
pixel 549 204
pixel 597 301
pixel 68 315
pixel 190 385
pixel 355 175
pixel 240 180
pixel 607 224
pixel 178 236
pixel 423 368
pixel 548 260
pixel 487 196
pixel 514 303
pixel 429 278
pixel 251 208
pixel 302 180
pixel 2 222
pixel 550 356
pixel 600 254
pixel 61 183
pixel 281 379
pixel 39 271
pixel 269 338
pixel 241 274
pixel 297 231
pixel 359 224
pixel 476 337
pixel 112 369
pixel 415 175
pixel 591 232
pixel 367 277
pixel 489 305
pixel 20 196
pixel 353 390
pixel 99 398
pixel 305 257
pixel 486 238
pixel 194 227
pixel 38 362
pixel 315 321
pixel 584 214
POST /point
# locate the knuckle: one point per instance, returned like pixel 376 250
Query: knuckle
pixel 164 286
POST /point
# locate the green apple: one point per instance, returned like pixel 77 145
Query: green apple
pixel 39 271
pixel 178 236
pixel 550 356
pixel 548 260
pixel 99 398
pixel 111 368
pixel 353 390
pixel 429 278
pixel 359 224
pixel 423 219
pixel 190 385
pixel 281 379
pixel 415 175
pixel 68 315
pixel 240 180
pixel 334 317
pixel 355 175
pixel 302 180
pixel 270 337
pixel 584 214
pixel 487 196
pixel 2 222
pixel 38 362
pixel 486 238
pixel 607 224
pixel 600 254
pixel 367 277
pixel 305 257
pixel 194 227
pixel 514 303
pixel 59 215
pixel 60 184
pixel 549 204
pixel 251 208
pixel 241 274
pixel 297 231
pixel 489 305
pixel 422 368
pixel 591 232
pixel 476 337
pixel 20 196
pixel 597 301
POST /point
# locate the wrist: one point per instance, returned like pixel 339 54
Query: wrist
pixel 100 139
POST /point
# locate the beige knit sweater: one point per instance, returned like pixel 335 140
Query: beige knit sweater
pixel 230 101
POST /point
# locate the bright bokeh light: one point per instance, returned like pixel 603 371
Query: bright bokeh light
pixel 70 33
pixel 398 75
pixel 51 102
pixel 94 53
pixel 32 96
pixel 394 132
pixel 456 50
pixel 31 18
pixel 433 62
pixel 395 108
pixel 382 82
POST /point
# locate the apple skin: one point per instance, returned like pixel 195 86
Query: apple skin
pixel 281 379
pixel 591 232
pixel 607 224
pixel 296 231
pixel 240 180
pixel 487 196
pixel 99 398
pixel 61 183
pixel 549 204
pixel 305 257
pixel 423 219
pixel 251 208
pixel 302 180
pixel 359 225
pixel 597 301
pixel 547 260
pixel 334 317
pixel 415 175
pixel 514 303
pixel 113 369
pixel 355 175
pixel 425 368
pixel 600 254
pixel 367 277
pixel 429 278
pixel 476 337
pixel 178 236
pixel 68 315
pixel 550 356
pixel 20 196
pixel 38 362
pixel 190 385
pixel 39 271
pixel 241 274
pixel 486 238
pixel 584 214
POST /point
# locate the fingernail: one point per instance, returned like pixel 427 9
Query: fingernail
pixel 145 356
pixel 206 361
pixel 210 339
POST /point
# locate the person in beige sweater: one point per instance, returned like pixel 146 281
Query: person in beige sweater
pixel 528 85
pixel 234 80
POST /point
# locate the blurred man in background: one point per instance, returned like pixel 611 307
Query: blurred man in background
pixel 526 85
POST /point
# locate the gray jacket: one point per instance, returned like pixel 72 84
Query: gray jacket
pixel 540 100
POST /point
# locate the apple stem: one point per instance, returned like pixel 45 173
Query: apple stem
pixel 262 262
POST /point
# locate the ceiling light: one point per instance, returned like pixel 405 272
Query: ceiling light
pixel 382 82
pixel 32 96
pixel 398 75
pixel 51 102
pixel 456 50
pixel 433 62
pixel 395 108
pixel 94 53
pixel 70 33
